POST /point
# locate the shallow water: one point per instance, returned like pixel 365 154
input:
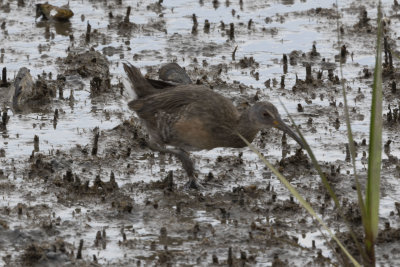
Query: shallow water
pixel 291 29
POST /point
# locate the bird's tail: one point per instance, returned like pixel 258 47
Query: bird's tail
pixel 140 85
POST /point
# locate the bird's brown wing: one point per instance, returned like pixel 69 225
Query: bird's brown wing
pixel 188 116
pixel 170 101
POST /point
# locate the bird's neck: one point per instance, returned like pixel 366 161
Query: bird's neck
pixel 246 128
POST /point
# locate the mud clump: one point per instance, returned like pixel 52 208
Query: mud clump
pixel 295 163
pixel 388 68
pixel 40 168
pixel 5 8
pixel 248 62
pixel 123 204
pixel 123 24
pixel 90 64
pixel 4 120
pixel 45 90
pixel 167 183
pixel 125 27
pixel 363 24
pixel 389 235
pixel 329 13
pixel 109 186
pixel 307 85
pixel 295 56
pixel 111 51
pixel 392 116
pixel 27 95
pixel 348 242
pixel 133 132
pixel 4 82
pixel 87 64
pixel 33 254
pixel 165 258
pixel 98 85
pixel 278 262
pixel 74 185
pixel 353 214
pixel 46 254
pixel 314 53
pixel 156 7
pixel 251 191
pixel 363 19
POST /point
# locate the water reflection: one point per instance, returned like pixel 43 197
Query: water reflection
pixel 287 2
pixel 62 27
pixel 215 4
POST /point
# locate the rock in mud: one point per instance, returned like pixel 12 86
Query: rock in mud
pixel 27 95
pixel 47 11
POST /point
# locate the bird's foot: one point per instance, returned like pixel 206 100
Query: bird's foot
pixel 193 184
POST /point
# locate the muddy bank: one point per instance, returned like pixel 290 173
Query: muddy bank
pixel 75 163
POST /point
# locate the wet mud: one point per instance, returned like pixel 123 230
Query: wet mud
pixel 81 186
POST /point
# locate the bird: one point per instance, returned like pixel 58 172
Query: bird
pixel 190 117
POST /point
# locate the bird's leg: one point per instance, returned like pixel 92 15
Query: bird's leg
pixel 187 164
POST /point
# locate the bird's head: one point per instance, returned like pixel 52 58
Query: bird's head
pixel 265 115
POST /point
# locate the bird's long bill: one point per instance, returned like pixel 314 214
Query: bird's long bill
pixel 279 124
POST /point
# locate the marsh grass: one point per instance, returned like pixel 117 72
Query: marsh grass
pixel 302 201
pixel 369 208
pixel 371 220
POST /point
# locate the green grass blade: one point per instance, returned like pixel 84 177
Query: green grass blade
pixel 302 201
pixel 375 146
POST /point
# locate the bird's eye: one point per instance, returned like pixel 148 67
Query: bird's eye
pixel 266 114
